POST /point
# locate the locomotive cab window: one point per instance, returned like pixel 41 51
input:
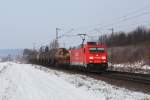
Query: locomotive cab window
pixel 96 50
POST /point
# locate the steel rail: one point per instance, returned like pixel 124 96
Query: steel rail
pixel 135 77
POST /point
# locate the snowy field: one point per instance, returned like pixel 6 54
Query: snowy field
pixel 32 82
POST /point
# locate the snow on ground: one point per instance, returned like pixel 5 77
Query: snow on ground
pixel 23 82
pixel 97 87
pixel 137 67
pixel 32 82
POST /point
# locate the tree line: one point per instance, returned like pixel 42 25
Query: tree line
pixel 139 36
pixel 129 47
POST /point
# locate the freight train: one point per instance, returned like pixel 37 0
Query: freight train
pixel 91 56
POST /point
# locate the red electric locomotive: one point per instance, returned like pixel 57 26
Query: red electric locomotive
pixel 91 56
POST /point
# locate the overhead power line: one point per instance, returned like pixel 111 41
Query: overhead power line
pixel 126 17
pixel 133 12
pixel 129 16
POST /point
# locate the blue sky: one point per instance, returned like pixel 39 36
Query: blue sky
pixel 24 22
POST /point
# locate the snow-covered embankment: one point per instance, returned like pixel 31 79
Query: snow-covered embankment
pixel 31 82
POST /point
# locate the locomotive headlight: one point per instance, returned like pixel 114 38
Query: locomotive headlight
pixel 103 57
pixel 91 57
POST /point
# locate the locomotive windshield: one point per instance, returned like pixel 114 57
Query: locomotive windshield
pixel 96 50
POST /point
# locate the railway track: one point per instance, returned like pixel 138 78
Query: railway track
pixel 134 77
pixel 131 81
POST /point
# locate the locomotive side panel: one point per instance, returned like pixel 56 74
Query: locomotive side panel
pixel 76 57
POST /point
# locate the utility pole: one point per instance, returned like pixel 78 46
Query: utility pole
pixel 56 40
pixel 112 29
pixel 111 49
pixel 64 45
pixel 34 45
pixel 112 32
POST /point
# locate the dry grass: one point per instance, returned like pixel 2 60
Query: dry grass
pixel 130 54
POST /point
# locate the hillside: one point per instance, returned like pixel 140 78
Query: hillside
pixel 10 52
